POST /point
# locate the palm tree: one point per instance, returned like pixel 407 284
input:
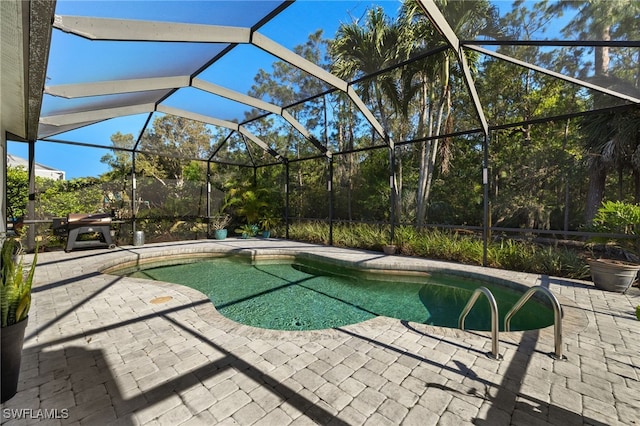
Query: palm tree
pixel 467 19
pixel 378 44
pixel 252 204
pixel 613 143
pixel 361 50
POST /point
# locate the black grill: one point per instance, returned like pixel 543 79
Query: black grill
pixel 77 224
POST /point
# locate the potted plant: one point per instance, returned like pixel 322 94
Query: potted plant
pixel 248 230
pixel 618 268
pixel 221 220
pixel 389 245
pixel 219 225
pixel 267 222
pixel 15 296
pixel 389 248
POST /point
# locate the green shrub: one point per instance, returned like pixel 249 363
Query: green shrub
pixel 621 218
pixel 456 246
pixel 15 286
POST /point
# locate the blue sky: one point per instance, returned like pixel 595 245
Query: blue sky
pixel 236 71
pixel 302 18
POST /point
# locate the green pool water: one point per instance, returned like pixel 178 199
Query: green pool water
pixel 283 295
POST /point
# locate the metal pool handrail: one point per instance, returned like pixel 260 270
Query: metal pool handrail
pixel 557 315
pixel 494 316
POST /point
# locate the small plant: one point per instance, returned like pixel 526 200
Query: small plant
pixel 249 230
pixel 220 221
pixel 617 217
pixel 638 312
pixel 267 222
pixel 388 244
pixel 15 294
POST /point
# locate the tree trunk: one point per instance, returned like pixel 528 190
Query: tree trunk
pixel 421 205
pixel 598 173
pixel 567 197
pixel 397 175
pixel 428 161
pixel 595 193
pixel 425 154
pixel 602 53
pixel 446 102
pixel 350 169
pixel 636 182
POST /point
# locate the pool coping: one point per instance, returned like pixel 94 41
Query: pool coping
pixel 573 322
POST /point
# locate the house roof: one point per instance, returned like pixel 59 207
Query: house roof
pixel 40 169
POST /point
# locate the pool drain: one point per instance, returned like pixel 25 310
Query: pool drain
pixel 159 300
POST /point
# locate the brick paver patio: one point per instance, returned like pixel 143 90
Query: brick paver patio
pixel 102 349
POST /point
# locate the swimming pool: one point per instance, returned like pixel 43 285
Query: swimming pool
pixel 290 294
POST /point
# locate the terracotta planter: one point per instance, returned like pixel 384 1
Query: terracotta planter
pixel 389 249
pixel 613 275
pixel 11 353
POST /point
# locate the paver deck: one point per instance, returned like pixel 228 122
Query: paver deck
pixel 103 349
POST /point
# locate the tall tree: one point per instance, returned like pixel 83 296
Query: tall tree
pixel 364 49
pixel 600 20
pixel 422 89
pixel 285 85
pixel 170 156
pixel 529 163
pixel 180 141
pixel 468 20
pixel 120 158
